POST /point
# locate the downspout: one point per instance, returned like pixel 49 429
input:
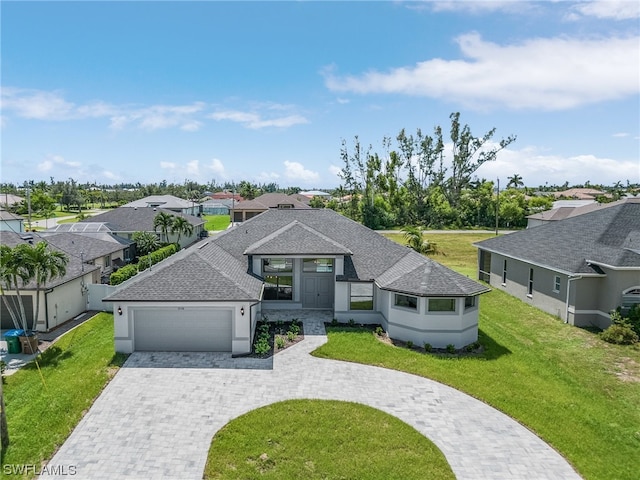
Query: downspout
pixel 569 279
pixel 46 309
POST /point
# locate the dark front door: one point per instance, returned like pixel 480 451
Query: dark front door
pixel 317 291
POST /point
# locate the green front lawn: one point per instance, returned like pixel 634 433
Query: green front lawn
pixel 575 391
pixel 41 415
pixel 216 222
pixel 319 439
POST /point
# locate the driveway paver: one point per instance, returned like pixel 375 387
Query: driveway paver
pixel 157 417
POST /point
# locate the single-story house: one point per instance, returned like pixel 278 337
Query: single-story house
pixel 10 222
pixel 565 209
pixel 247 209
pixel 578 269
pixel 60 299
pixel 166 202
pixel 125 221
pixel 106 252
pixel 209 296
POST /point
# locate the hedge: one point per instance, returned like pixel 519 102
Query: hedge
pixel 128 271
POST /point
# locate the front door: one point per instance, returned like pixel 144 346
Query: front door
pixel 317 291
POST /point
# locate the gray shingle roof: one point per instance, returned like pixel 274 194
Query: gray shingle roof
pixel 75 267
pixel 608 236
pixel 297 238
pixel 271 200
pixel 90 246
pixel 163 201
pixel 372 254
pixel 198 274
pixel 128 219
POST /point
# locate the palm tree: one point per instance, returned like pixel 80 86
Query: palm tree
pixel 181 226
pixel 515 181
pixel 15 269
pixel 164 221
pixel 47 265
pixel 415 240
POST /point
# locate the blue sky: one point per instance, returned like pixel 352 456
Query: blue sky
pixel 112 92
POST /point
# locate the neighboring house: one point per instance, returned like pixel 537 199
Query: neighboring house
pixel 247 209
pixel 101 231
pixel 316 193
pixel 125 221
pixel 578 269
pixel 107 253
pixel 8 200
pixel 10 222
pixel 580 193
pixel 226 196
pixel 166 202
pixel 209 297
pixel 61 299
pixel 217 207
pixel 561 212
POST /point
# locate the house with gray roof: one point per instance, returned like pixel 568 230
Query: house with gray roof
pixel 579 268
pixel 11 222
pixel 125 221
pixel 209 297
pixel 61 299
pixel 166 202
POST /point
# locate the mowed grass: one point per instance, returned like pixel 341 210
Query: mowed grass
pixel 75 369
pixel 319 439
pixel 578 393
pixel 459 253
pixel 216 222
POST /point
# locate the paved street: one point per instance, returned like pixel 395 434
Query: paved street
pixel 158 415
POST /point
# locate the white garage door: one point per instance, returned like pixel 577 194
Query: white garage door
pixel 188 330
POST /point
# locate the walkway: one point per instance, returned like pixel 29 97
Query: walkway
pixel 158 415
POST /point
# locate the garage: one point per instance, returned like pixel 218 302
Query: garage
pixel 182 330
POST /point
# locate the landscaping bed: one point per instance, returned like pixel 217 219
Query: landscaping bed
pixel 274 336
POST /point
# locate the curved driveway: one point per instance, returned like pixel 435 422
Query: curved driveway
pixel 157 417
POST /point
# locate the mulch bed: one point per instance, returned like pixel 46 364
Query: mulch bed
pixel 277 329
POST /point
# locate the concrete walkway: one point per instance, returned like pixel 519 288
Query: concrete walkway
pixel 158 415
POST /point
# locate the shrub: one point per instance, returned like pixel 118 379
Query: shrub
pixel 280 342
pixel 352 322
pixel 294 328
pixel 428 347
pixel 451 348
pixel 261 347
pixel 291 336
pixel 334 322
pixel 409 344
pixel 621 334
pixel 379 331
pixel 122 274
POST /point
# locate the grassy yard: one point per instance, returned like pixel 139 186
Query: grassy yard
pixel 216 222
pixel 575 391
pixel 75 370
pixel 336 442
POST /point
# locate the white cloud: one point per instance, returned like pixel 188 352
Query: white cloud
pixel 537 168
pixel 168 165
pixel 193 168
pixel 608 9
pixel 160 116
pixel 217 168
pixel 334 170
pixel 620 135
pixel 295 171
pixel 256 120
pixel 541 73
pixel 52 161
pixel 476 7
pixel 267 177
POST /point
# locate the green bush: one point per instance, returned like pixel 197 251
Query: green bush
pixel 451 348
pixel 291 336
pixel 379 331
pixel 428 347
pixel 280 342
pixel 122 274
pixel 621 334
pixel 262 347
pixel 409 344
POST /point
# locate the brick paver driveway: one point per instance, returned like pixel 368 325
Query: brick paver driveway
pixel 158 415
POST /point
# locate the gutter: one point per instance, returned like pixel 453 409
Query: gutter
pixel 569 279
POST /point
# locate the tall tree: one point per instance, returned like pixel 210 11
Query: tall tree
pixel 181 226
pixel 15 272
pixel 415 240
pixel 515 181
pixel 47 264
pixel 163 221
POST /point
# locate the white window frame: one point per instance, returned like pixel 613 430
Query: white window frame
pixel 557 283
pixel 395 302
pixel 438 311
